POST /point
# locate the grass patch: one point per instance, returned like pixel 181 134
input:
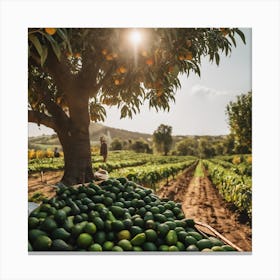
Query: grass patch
pixel 199 170
pixel 36 197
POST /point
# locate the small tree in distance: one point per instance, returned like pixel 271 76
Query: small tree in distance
pixel 140 146
pixel 116 144
pixel 162 139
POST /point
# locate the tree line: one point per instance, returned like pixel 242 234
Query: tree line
pixel 239 141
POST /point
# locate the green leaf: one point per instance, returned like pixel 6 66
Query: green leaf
pixel 44 54
pixel 217 58
pixel 226 49
pixel 152 77
pixel 241 35
pixel 54 45
pixel 176 70
pixel 63 35
pixel 232 39
pixel 124 111
pixel 35 41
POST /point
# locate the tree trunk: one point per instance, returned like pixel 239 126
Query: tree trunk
pixel 77 159
pixel 76 144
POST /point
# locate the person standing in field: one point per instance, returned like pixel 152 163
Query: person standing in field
pixel 103 149
pixel 56 152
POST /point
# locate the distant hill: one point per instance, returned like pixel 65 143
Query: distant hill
pixel 97 130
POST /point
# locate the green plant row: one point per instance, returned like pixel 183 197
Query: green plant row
pixel 49 165
pixel 113 165
pixel 240 157
pixel 45 164
pixel 117 160
pixel 233 187
pixel 152 174
pixel 242 168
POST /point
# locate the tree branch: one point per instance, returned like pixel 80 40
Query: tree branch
pixel 59 71
pixel 87 76
pixel 59 117
pixel 41 118
pixel 93 87
pixel 58 114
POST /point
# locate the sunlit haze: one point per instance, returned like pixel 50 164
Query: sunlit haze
pixel 135 37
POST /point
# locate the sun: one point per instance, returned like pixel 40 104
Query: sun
pixel 135 37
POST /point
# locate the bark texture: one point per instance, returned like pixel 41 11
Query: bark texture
pixel 76 143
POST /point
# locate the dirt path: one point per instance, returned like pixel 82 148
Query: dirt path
pixel 176 190
pixel 43 184
pixel 202 202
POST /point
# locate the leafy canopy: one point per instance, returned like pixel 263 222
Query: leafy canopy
pixel 240 122
pixel 103 64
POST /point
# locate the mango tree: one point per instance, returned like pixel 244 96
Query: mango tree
pixel 74 72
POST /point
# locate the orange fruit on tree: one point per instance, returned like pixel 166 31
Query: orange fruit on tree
pixel 189 56
pixel 170 69
pixel 122 69
pixel 109 57
pixel 159 93
pixel 181 57
pixel 117 82
pixel 144 53
pixel 224 31
pixel 50 31
pixel 149 61
pixel 104 51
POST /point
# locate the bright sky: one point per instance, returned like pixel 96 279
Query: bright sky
pixel 200 103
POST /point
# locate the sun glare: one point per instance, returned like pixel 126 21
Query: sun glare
pixel 135 37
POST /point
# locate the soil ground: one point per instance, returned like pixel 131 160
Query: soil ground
pixel 43 183
pixel 202 202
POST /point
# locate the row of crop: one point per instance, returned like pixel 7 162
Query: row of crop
pixel 52 163
pixel 41 154
pixel 234 188
pixel 149 175
pixel 109 166
pixel 237 159
pixel 116 160
pixel 242 168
